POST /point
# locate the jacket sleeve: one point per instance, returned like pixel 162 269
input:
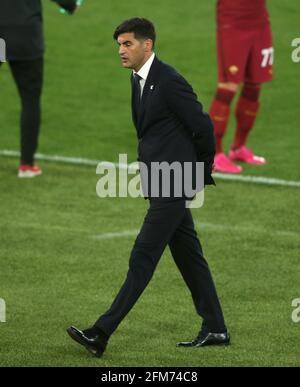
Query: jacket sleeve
pixel 183 102
pixel 68 5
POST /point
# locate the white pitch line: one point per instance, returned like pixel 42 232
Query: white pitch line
pixel 204 226
pixel 244 229
pixel 82 161
pixel 112 235
pixel 258 180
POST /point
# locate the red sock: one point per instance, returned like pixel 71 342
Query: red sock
pixel 246 112
pixel 219 113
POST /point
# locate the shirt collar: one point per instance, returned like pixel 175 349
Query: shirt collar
pixel 144 71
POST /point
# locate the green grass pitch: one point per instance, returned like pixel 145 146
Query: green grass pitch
pixel 55 271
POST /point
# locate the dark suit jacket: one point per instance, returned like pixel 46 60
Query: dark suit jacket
pixel 171 125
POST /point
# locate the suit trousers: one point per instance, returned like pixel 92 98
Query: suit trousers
pixel 168 222
pixel 28 76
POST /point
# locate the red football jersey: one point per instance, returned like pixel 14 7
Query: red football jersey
pixel 242 13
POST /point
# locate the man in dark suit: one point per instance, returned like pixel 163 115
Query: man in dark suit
pixel 171 127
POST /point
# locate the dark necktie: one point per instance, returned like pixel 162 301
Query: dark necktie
pixel 137 92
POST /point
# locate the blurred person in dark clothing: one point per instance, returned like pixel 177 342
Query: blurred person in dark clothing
pixel 21 27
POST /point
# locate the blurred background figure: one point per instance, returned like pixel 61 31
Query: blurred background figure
pixel 245 55
pixel 21 27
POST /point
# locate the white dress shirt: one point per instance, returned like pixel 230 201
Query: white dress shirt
pixel 144 72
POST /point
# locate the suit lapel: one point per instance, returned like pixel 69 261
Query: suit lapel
pixel 134 112
pixel 148 88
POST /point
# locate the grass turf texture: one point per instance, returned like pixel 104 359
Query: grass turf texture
pixel 55 273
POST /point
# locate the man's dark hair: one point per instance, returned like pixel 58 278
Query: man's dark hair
pixel 142 29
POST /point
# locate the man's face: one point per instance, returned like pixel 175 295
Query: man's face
pixel 134 53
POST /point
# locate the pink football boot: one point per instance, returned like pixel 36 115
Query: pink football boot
pixel 224 165
pixel 246 155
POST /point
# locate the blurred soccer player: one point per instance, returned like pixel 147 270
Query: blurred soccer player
pixel 21 26
pixel 245 56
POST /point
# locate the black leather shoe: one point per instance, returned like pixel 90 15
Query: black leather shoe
pixel 204 339
pixel 93 339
